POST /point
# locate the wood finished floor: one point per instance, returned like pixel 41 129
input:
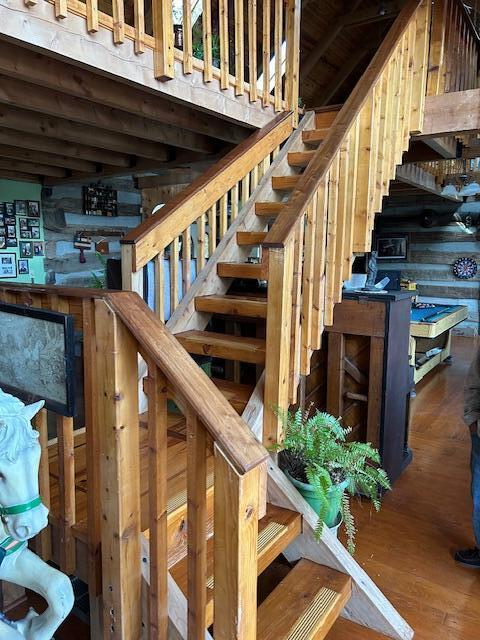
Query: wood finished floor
pixel 408 547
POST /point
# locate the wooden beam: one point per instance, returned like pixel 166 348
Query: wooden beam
pixel 18 175
pixel 412 175
pixel 326 95
pixel 444 147
pixel 36 169
pixel 451 113
pixel 372 15
pixel 23 64
pixel 22 120
pixel 17 93
pixel 73 150
pixel 472 151
pixel 52 159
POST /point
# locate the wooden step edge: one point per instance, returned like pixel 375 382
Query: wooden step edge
pixel 268 209
pixel 284 183
pixel 232 306
pixel 247 270
pixel 300 158
pixel 305 604
pixel 220 345
pixel 314 136
pixel 250 238
pixel 237 394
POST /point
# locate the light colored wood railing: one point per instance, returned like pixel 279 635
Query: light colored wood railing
pixel 454 49
pixel 331 213
pixel 209 37
pixel 188 229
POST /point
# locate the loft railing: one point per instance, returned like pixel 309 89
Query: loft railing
pixel 192 224
pixel 454 49
pixel 331 213
pixel 250 47
pixel 117 328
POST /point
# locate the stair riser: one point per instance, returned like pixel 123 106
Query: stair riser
pixel 245 309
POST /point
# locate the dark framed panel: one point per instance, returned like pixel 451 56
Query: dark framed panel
pixel 37 356
pixel 392 246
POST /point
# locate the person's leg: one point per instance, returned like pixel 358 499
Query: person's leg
pixel 471 557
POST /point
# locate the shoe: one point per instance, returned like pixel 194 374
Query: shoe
pixel 468 558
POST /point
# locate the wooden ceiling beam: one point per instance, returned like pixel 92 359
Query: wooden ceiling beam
pixel 41 143
pixel 325 96
pixel 17 175
pixel 57 127
pixel 18 93
pixel 472 151
pixel 39 69
pixel 30 167
pixel 52 159
pixel 372 15
pixel 451 113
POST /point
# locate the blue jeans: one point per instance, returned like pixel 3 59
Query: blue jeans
pixel 475 466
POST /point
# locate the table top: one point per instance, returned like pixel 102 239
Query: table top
pixel 433 314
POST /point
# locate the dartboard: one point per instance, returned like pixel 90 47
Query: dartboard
pixel 464 268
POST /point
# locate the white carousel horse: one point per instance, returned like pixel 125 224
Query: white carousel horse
pixel 22 517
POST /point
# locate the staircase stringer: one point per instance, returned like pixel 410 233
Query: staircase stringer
pixel 208 282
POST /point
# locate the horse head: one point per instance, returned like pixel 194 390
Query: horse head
pixel 21 510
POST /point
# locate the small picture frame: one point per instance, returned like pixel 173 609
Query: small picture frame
pixel 8 265
pixel 11 242
pixel 38 249
pixel 35 233
pixel 23 224
pixel 33 222
pixel 33 208
pixel 23 268
pixel 26 234
pixel 2 209
pixel 3 231
pixel 26 249
pixel 392 247
pixel 21 207
pixel 10 220
pixel 9 208
pixel 11 231
pixel 3 242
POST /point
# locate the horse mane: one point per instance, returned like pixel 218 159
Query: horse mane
pixel 16 433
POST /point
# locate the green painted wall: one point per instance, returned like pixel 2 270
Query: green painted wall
pixel 10 191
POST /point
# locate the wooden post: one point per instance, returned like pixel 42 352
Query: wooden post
pixel 436 76
pixel 293 18
pixel 336 355
pixel 420 71
pixel 279 319
pixel 44 540
pixel 235 554
pixel 375 383
pixel 66 491
pixel 163 55
pixel 117 403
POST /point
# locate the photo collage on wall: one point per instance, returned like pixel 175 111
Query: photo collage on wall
pixel 24 237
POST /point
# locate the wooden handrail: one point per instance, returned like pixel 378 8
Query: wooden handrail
pixel 224 425
pixel 158 231
pixel 65 292
pixel 284 227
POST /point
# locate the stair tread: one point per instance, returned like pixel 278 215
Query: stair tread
pixel 300 158
pixel 236 393
pixel 285 182
pixel 247 306
pixel 241 270
pixel 275 532
pixel 221 345
pixel 305 604
pixel 268 208
pixel 250 237
pixel 314 136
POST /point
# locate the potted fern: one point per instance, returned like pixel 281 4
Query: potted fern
pixel 327 469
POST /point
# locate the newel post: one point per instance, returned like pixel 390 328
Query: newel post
pixel 117 405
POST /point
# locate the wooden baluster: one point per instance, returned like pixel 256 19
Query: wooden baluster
pixel 117 405
pixel 395 113
pixel 239 49
pixel 224 44
pixel 235 550
pixel 279 319
pixel 61 9
pixel 331 240
pixel 449 53
pixel 341 222
pixel 412 34
pixel 266 53
pixel 252 49
pixel 319 268
pixel 139 10
pixel 66 491
pixel 363 178
pixel 187 37
pixel 399 138
pixel 207 40
pixel 157 494
pixel 253 179
pixel 307 289
pixel 186 260
pixel 212 229
pixel 436 77
pixel 383 136
pixel 234 201
pixel 43 542
pixel 278 54
pixel 159 271
pixel 245 189
pixel 223 215
pixel 92 16
pixel 118 11
pixel 353 141
pixel 295 331
pixel 201 247
pixel 293 19
pixel 164 54
pixel 174 256
pixel 196 526
pixel 420 72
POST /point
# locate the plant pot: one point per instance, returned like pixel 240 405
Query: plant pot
pixel 334 529
pixel 311 495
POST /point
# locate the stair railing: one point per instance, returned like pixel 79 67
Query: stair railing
pixel 178 239
pixel 454 49
pixel 330 214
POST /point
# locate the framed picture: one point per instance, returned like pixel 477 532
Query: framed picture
pixel 21 207
pixel 33 222
pixel 3 242
pixel 23 268
pixel 26 234
pixel 33 208
pixel 11 231
pixel 9 208
pixel 3 231
pixel 26 249
pixel 392 247
pixel 2 208
pixel 8 265
pixel 10 220
pixel 38 249
pixel 35 233
pixel 37 356
pixel 12 242
pixel 23 223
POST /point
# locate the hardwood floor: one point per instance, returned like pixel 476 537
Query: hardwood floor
pixel 408 547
